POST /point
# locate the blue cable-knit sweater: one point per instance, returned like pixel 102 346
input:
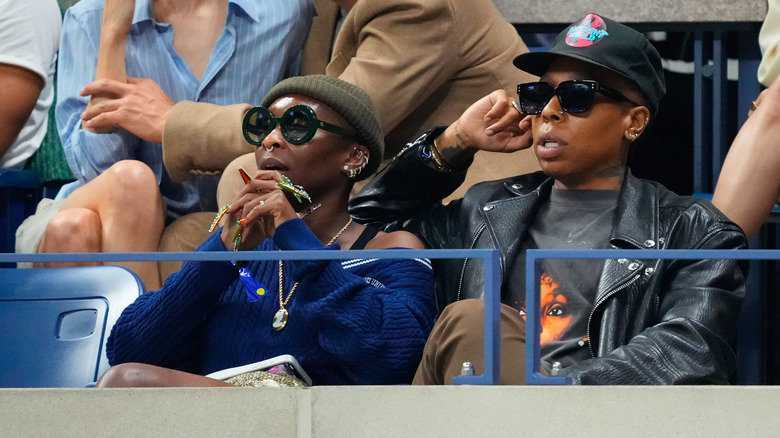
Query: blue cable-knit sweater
pixel 350 322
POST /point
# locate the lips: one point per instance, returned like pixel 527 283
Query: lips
pixel 549 146
pixel 272 164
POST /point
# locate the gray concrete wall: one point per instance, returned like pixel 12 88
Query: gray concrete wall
pixel 633 11
pixel 629 11
pixel 393 411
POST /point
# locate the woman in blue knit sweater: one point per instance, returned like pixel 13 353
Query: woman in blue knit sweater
pixel 347 322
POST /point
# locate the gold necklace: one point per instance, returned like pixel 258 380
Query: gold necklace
pixel 280 317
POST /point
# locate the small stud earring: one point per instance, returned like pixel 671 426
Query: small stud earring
pixel 349 171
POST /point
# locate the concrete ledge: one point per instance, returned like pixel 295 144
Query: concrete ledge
pixel 632 11
pixel 393 411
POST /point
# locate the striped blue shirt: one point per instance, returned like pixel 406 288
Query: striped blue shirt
pixel 260 45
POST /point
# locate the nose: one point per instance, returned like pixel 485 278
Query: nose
pixel 553 110
pixel 274 139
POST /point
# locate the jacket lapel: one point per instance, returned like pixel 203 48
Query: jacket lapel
pixel 507 219
pixel 346 44
pixel 636 218
pixel 635 226
pixel 316 50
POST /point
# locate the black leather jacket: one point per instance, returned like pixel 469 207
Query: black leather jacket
pixel 654 321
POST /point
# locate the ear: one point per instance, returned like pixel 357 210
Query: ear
pixel 356 160
pixel 637 120
pixel 358 157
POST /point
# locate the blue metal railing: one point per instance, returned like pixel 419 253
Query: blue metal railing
pixel 490 258
pixel 492 336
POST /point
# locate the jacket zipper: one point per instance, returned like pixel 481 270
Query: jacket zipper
pixel 463 269
pixel 628 283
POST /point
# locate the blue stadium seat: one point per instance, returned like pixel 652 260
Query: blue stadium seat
pixel 56 322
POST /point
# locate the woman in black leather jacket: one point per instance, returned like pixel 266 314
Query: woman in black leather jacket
pixel 640 321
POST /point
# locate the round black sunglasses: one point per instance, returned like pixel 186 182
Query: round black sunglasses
pixel 299 123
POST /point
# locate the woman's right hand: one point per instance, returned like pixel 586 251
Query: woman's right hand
pixel 263 207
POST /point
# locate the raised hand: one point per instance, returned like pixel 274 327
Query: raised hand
pixel 117 20
pixel 139 106
pixel 494 124
pixel 263 206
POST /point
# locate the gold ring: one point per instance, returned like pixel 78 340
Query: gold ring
pixel 753 106
pixel 514 105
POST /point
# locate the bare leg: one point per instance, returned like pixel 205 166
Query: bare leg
pixel 459 336
pixel 119 211
pixel 72 230
pixel 139 375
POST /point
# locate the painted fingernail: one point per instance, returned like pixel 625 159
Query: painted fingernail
pixel 244 176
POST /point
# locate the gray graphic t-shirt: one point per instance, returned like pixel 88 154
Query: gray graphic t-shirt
pixel 571 219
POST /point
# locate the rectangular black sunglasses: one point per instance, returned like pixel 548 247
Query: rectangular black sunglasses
pixel 575 96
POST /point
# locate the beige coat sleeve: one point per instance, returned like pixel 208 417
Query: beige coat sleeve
pixel 406 50
pixel 202 138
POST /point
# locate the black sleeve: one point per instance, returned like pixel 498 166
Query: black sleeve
pixel 407 187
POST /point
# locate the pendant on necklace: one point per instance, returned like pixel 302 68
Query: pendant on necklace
pixel 280 319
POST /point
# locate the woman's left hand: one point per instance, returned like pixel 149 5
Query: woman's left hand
pixel 493 123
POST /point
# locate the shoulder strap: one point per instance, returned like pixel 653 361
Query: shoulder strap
pixel 368 233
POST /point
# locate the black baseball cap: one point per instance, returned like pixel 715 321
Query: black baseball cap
pixel 609 44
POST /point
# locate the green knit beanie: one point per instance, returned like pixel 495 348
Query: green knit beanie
pixel 349 100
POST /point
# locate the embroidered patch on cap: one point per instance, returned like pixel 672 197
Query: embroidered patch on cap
pixel 587 32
